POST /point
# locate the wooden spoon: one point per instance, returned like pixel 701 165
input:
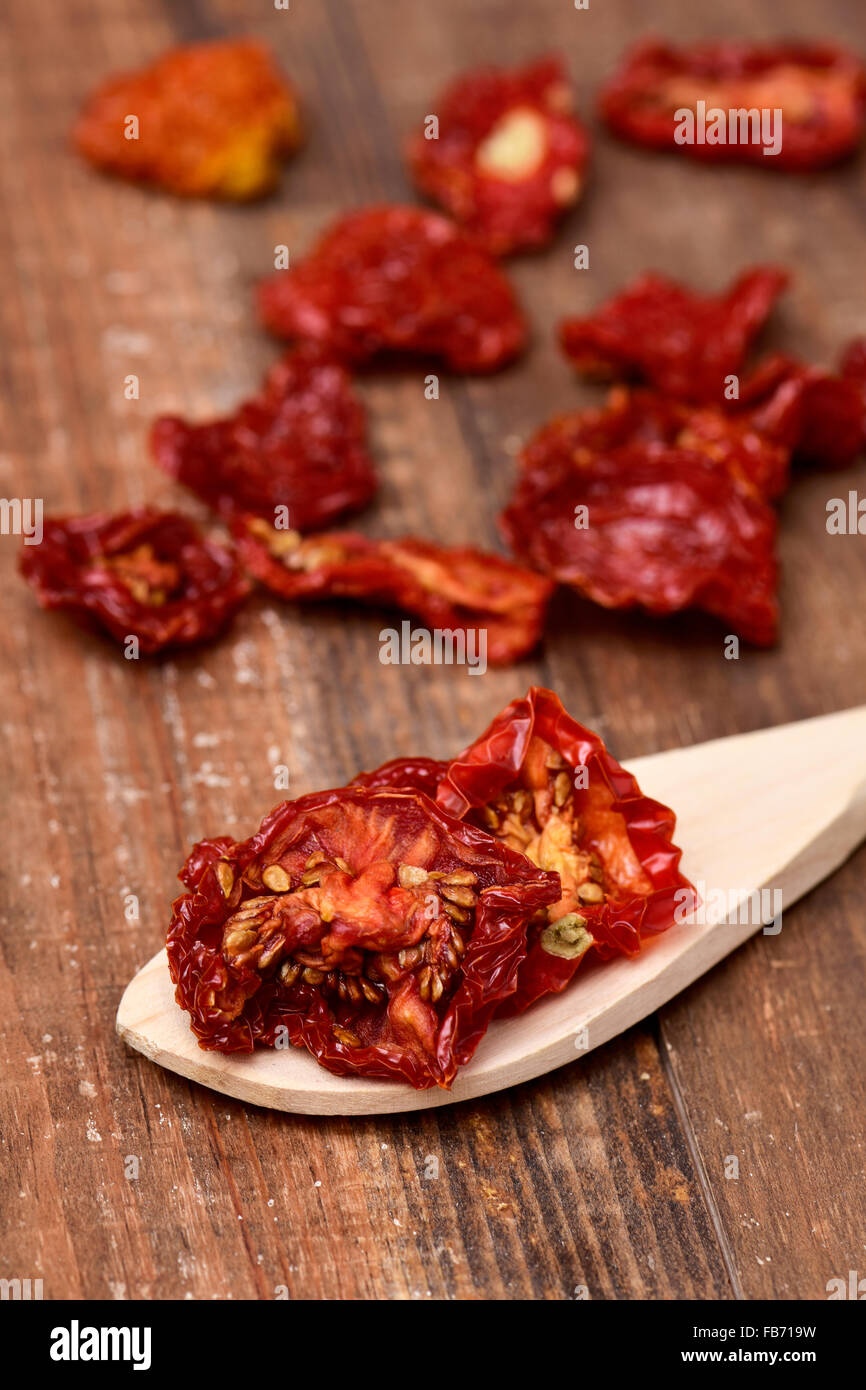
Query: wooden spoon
pixel 778 810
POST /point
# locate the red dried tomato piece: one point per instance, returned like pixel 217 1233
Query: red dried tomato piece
pixel 300 444
pixel 548 788
pixel 367 926
pixel 398 280
pixel 683 343
pixel 213 120
pixel 644 418
pixel 662 528
pixel 819 89
pixel 820 418
pixel 509 157
pixel 455 589
pixel 143 574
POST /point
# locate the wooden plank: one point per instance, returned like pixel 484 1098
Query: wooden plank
pixel 767 1056
pixel 111 771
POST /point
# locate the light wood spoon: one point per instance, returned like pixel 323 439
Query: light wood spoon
pixel 778 809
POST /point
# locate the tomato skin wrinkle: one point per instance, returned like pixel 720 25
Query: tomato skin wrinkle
pixel 366 925
pixel 144 574
pixel 214 120
pixel 417 773
pixel 510 157
pixel 450 588
pixel 819 89
pixel 299 444
pixel 661 333
pixel 398 280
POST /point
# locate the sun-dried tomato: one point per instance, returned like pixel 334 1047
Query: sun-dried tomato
pixel 548 788
pixel 819 89
pixel 635 416
pixel 509 156
pixel 143 574
pixel 300 444
pixel 367 926
pixel 449 588
pixel 647 525
pixel 211 120
pixel 683 343
pixel 398 280
pixel 818 416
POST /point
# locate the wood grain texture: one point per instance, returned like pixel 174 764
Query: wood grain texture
pixel 609 1175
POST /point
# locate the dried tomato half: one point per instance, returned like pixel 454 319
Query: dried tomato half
pixel 204 120
pixel 645 418
pixel 450 588
pixel 547 787
pixel 509 156
pixel 367 926
pixel 818 416
pixel 820 90
pixel 683 343
pixel 647 525
pixel 398 280
pixel 299 444
pixel 143 574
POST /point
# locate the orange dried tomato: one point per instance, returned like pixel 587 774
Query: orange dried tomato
pixel 204 120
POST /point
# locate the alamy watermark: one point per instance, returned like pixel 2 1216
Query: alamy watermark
pixel 846 516
pixel 853 1287
pixel 77 1343
pixel 439 646
pixel 22 516
pixel 20 1290
pixel 760 907
pixel 712 125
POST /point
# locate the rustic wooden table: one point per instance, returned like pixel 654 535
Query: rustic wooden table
pixel 122 1181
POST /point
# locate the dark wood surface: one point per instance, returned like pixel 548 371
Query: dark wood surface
pixel 610 1174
